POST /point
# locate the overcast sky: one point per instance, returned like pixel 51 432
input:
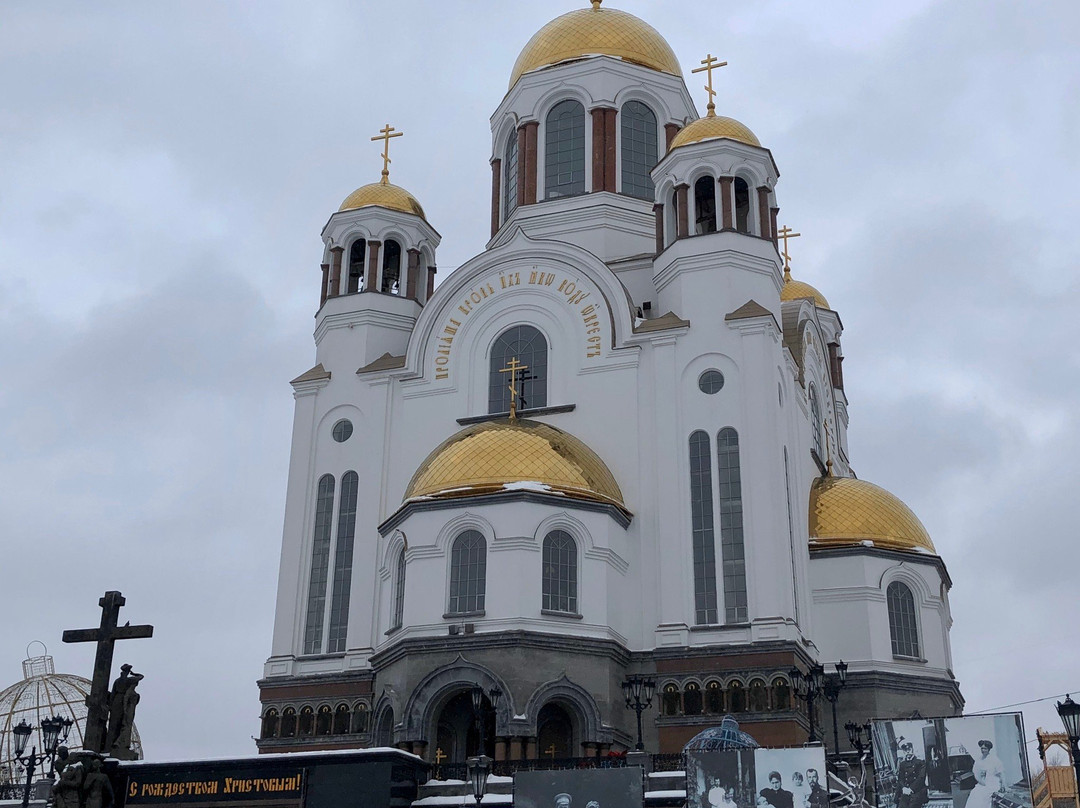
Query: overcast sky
pixel 165 170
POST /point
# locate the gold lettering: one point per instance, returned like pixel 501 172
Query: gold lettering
pixel 441 375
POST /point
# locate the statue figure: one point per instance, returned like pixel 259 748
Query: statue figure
pixel 96 790
pixel 65 792
pixel 122 702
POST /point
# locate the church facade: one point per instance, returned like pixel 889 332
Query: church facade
pixel 614 443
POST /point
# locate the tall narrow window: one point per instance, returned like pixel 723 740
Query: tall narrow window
pixel 701 523
pixel 384 730
pixel 359 718
pixel 691 699
pixel 320 564
pixel 705 206
pixel 560 572
pixel 288 723
pixel 399 591
pixel 791 537
pixel 324 720
pixel 671 700
pixel 639 150
pixel 357 253
pixel 339 602
pixel 341 719
pixel 391 265
pixel 742 205
pixel 270 724
pixel 528 346
pixel 714 698
pixel 902 625
pixel 468 573
pixel 510 176
pixel 564 155
pixel 731 526
pixel 815 423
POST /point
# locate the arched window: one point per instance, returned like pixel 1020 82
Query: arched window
pixel 560 572
pixel 555 731
pixel 288 723
pixel 528 346
pixel 731 526
pixel 399 591
pixel 320 563
pixel 270 724
pixel 714 698
pixel 815 423
pixel 564 150
pixel 691 699
pixel 510 176
pixel 742 205
pixel 781 694
pixel 902 625
pixel 357 256
pixel 759 696
pixel 701 524
pixel 391 267
pixel 324 720
pixel 671 218
pixel 343 553
pixel 359 718
pixel 705 206
pixel 468 573
pixel 639 149
pixel 341 719
pixel 384 733
pixel 306 723
pixel 736 697
pixel 671 700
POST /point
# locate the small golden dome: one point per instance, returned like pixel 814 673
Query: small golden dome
pixel 507 455
pixel 596 32
pixel 714 126
pixel 797 290
pixel 845 512
pixel 383 195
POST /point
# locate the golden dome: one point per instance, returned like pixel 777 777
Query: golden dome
pixel 797 290
pixel 596 32
pixel 383 195
pixel 845 512
pixel 510 455
pixel 714 126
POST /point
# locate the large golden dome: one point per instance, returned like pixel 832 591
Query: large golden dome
pixel 714 126
pixel 797 290
pixel 504 455
pixel 596 32
pixel 845 512
pixel 383 195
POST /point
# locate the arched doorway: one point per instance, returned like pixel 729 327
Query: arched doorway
pixel 555 732
pixel 457 733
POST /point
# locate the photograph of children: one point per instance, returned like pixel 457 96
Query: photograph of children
pixel 720 779
pixel 986 761
pixel 579 788
pixel 791 778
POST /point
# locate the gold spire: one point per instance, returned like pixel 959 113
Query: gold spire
pixel 785 233
pixel 384 135
pixel 709 64
pixel 512 367
pixel 596 4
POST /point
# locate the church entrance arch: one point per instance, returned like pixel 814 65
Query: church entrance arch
pixel 555 735
pixel 457 732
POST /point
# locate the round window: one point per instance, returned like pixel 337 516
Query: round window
pixel 342 430
pixel 710 381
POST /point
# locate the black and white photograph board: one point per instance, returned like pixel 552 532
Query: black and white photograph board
pixel 757 778
pixel 975 761
pixel 579 788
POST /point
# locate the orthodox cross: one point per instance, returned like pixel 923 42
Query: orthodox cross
pixel 709 64
pixel 550 751
pixel 105 636
pixel 596 4
pixel 440 756
pixel 384 135
pixel 512 367
pixel 785 233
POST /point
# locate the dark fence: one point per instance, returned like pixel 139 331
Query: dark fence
pixel 11 791
pixel 507 768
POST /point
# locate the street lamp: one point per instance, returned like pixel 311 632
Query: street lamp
pixel 854 735
pixel 639 691
pixel 479 768
pixel 54 731
pixel 1069 711
pixel 480 711
pixel 808 686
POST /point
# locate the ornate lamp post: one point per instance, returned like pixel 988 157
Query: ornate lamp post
pixel 54 731
pixel 855 733
pixel 809 685
pixel 480 711
pixel 833 686
pixel 479 768
pixel 1069 711
pixel 639 691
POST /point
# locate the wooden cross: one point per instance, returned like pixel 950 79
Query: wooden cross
pixel 105 636
pixel 512 367
pixel 709 64
pixel 384 135
pixel 785 233
pixel 440 756
pixel 550 751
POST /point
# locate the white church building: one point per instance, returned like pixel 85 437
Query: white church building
pixel 612 443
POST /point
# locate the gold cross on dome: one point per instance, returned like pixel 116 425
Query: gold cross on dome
pixel 596 4
pixel 785 233
pixel 709 64
pixel 384 135
pixel 512 367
